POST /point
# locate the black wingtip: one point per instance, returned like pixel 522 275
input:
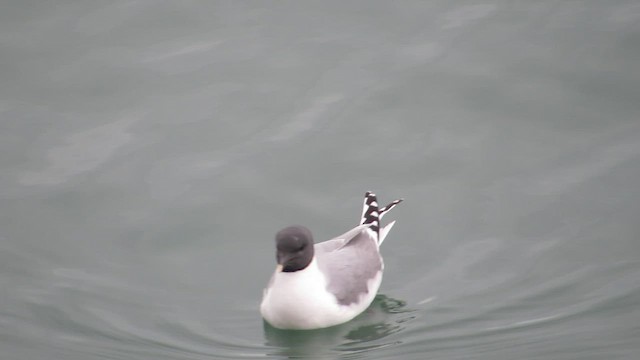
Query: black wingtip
pixel 370 213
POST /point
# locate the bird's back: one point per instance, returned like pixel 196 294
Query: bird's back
pixel 352 267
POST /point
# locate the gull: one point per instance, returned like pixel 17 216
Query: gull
pixel 329 283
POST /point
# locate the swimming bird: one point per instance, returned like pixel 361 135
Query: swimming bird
pixel 329 283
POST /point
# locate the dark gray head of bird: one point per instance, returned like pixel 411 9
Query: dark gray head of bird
pixel 294 248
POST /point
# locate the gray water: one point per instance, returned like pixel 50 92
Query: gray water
pixel 150 150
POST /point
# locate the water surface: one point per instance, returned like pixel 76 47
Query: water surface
pixel 149 151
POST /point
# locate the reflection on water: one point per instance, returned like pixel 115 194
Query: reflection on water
pixel 366 332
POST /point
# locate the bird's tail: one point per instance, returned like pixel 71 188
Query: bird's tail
pixel 372 214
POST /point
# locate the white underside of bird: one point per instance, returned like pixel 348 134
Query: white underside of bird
pixel 300 301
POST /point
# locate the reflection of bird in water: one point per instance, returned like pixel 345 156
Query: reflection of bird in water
pixel 375 323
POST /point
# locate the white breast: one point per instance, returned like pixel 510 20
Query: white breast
pixel 299 300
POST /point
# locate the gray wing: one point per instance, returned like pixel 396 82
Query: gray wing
pixel 349 262
pixel 340 241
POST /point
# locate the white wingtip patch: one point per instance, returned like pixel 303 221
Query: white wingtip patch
pixel 384 231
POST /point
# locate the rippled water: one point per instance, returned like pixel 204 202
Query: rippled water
pixel 150 150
